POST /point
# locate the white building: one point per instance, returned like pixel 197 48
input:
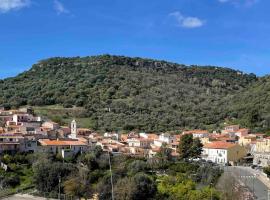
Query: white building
pixel 56 146
pixel 223 152
pixel 197 133
pixel 139 142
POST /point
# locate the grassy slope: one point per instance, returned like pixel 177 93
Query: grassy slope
pixel 63 115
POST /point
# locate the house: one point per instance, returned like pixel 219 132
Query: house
pixel 114 136
pixel 223 152
pixel 83 132
pixel 139 142
pixel 151 136
pixel 232 128
pixel 262 152
pixel 30 145
pixel 165 138
pixel 51 125
pixel 17 118
pixel 242 132
pixel 11 143
pixel 263 145
pixel 197 133
pixel 62 146
pixel 111 145
pixel 246 140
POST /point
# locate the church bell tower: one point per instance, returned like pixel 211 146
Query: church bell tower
pixel 73 129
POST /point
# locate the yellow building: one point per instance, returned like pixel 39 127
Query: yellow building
pixel 246 140
pixel 262 152
pixel 263 145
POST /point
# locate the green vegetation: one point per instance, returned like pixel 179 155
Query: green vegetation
pixel 266 170
pixel 251 108
pixel 64 116
pixel 88 174
pixel 18 177
pixel 121 93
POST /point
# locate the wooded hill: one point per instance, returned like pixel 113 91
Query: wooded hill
pixel 122 93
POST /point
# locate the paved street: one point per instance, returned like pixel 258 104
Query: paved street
pixel 250 178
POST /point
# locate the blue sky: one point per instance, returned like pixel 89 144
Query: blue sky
pixel 229 33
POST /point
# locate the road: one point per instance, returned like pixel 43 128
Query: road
pixel 251 179
pixel 24 197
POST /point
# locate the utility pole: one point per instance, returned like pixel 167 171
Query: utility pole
pixel 253 179
pixel 111 174
pixel 211 191
pixel 59 187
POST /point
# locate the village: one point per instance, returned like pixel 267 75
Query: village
pixel 22 131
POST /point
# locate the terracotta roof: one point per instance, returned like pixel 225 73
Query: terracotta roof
pixel 259 134
pixel 243 129
pixel 178 137
pixel 11 136
pixel 152 136
pixel 219 145
pixel 124 137
pixel 83 129
pixel 250 137
pixel 47 142
pixel 196 131
pixel 156 149
pixel 175 143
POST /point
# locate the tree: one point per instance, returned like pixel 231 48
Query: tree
pixel 164 155
pixel 125 189
pixel 47 174
pixel 74 187
pixel 137 166
pixel 78 185
pixel 136 90
pixel 181 188
pixel 266 170
pixel 189 147
pixel 145 187
pixel 185 146
pixel 196 148
pixel 104 187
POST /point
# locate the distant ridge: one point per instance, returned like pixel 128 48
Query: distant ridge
pixel 142 94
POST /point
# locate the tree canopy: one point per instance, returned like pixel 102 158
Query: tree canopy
pixel 122 93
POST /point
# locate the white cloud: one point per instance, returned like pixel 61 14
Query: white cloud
pixel 187 22
pixel 8 5
pixel 240 2
pixel 60 8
